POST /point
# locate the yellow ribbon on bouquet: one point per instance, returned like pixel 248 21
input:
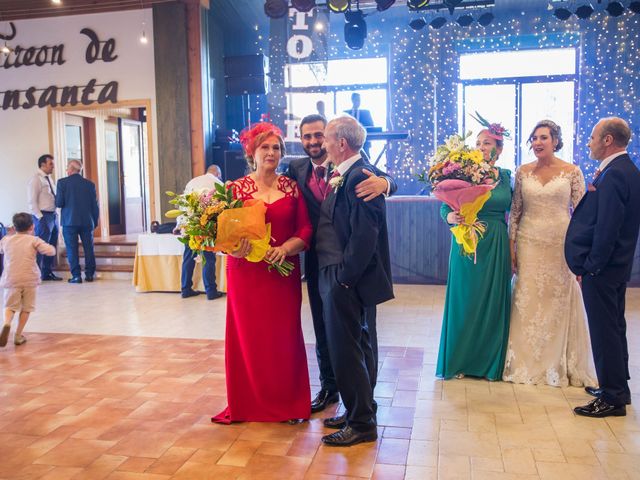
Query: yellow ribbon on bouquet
pixel 259 247
pixel 471 230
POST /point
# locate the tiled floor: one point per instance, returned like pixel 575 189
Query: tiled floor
pixel 123 385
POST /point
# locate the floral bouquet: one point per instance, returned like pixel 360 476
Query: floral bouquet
pixel 213 221
pixel 463 180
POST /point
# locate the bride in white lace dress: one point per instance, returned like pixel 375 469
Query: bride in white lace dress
pixel 548 338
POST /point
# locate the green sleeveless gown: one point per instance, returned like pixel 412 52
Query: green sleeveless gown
pixel 475 326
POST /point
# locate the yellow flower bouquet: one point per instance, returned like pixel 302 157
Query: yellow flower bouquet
pixel 216 222
pixel 462 179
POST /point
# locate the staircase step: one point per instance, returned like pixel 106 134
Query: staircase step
pixel 111 254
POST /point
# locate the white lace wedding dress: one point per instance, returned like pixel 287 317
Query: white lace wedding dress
pixel 548 337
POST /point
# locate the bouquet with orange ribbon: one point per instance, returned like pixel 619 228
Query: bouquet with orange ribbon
pixel 462 179
pixel 216 222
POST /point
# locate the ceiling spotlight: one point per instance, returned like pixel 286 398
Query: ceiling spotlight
pixel 56 2
pixel 276 8
pixel 451 4
pixel 615 9
pixel 417 4
pixel 418 24
pixel 634 7
pixel 584 11
pixel 338 6
pixel 355 30
pixel 438 22
pixel 383 5
pixel 303 5
pixel 465 20
pixel 562 14
pixel 485 19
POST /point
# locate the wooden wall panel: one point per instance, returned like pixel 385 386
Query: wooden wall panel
pixel 172 99
pixel 419 240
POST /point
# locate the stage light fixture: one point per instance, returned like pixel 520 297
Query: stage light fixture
pixel 338 6
pixel 438 22
pixel 382 5
pixel 615 9
pixel 417 4
pixel 584 11
pixel 451 4
pixel 418 24
pixel 634 7
pixel 276 8
pixel 485 19
pixel 355 30
pixel 303 5
pixel 562 14
pixel 464 20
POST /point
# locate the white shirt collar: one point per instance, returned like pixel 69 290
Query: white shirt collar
pixel 609 159
pixel 324 164
pixel 42 174
pixel 348 163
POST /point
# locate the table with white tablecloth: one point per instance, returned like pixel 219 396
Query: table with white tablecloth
pixel 158 265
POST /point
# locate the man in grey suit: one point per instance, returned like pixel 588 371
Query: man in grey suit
pixel 312 175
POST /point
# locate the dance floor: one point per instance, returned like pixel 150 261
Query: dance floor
pixel 118 385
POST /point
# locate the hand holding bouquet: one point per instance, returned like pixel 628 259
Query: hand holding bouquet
pixel 463 180
pixel 216 222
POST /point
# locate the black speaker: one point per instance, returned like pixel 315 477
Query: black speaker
pixel 246 74
pixel 246 85
pixel 235 165
pixel 246 65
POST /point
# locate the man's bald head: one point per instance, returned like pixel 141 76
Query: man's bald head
pixel 618 129
pixel 215 171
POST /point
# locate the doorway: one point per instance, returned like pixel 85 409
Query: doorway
pixel 114 146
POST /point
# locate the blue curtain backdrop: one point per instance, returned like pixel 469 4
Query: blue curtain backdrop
pixel 423 72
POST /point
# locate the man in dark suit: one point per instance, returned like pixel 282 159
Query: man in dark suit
pixel 355 275
pixel 361 115
pixel 599 247
pixel 312 175
pixel 76 197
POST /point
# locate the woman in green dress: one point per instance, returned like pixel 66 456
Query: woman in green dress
pixel 475 327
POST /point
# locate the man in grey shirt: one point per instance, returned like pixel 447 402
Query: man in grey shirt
pixel 42 205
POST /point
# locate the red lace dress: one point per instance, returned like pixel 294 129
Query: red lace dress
pixel 265 359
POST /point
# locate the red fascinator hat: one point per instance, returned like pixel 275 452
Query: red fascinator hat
pixel 251 137
pixel 495 130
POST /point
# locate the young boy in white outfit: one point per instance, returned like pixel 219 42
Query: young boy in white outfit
pixel 21 274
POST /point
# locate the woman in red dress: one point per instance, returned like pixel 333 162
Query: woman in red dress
pixel 265 359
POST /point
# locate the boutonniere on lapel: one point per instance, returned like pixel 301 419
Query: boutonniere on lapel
pixel 591 187
pixel 336 182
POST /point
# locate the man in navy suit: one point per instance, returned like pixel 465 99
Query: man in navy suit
pixel 355 276
pixel 599 247
pixel 76 197
pixel 312 175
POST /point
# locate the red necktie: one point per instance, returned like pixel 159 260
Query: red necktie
pixel 323 186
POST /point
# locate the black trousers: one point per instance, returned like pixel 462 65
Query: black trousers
pixel 350 349
pixel 604 301
pixel 47 229
pixel 327 378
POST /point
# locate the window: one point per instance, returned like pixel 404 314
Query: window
pixel 517 89
pixel 333 82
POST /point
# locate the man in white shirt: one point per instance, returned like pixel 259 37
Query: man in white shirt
pixel 206 182
pixel 42 206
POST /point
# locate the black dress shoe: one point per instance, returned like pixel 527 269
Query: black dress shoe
pixel 189 293
pixel 597 392
pixel 348 436
pixel 75 280
pixel 598 408
pixel 51 277
pixel 336 422
pixel 214 295
pixel 89 278
pixel 323 399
